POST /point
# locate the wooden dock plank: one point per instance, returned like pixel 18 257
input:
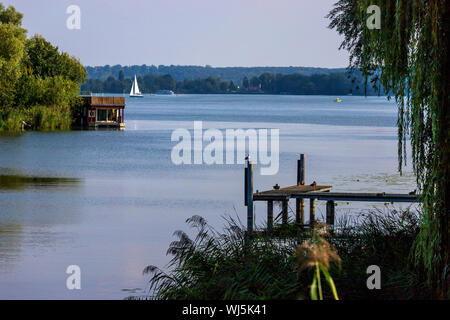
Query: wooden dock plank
pixel 337 196
pixel 296 189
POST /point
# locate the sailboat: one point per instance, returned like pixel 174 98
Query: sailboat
pixel 135 93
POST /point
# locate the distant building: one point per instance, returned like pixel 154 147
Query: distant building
pixel 251 89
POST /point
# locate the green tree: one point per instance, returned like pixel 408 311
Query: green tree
pixel 44 60
pixel 47 70
pixel 409 55
pixel 255 82
pixel 232 86
pixel 36 80
pixel 245 83
pixel 12 42
pixel 10 16
pixel 266 81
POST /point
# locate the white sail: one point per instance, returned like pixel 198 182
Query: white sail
pixel 132 90
pixel 135 88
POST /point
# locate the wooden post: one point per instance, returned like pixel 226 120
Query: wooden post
pixel 312 212
pixel 299 211
pixel 301 170
pixel 246 186
pixel 300 203
pixel 284 211
pixel 330 214
pixel 269 215
pixel 249 198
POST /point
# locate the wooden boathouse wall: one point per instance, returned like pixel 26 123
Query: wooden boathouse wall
pixel 92 105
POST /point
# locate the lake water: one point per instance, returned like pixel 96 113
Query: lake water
pixel 109 201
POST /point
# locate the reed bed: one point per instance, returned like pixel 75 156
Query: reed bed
pixel 225 265
pixel 41 118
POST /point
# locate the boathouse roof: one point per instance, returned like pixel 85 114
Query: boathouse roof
pixel 104 102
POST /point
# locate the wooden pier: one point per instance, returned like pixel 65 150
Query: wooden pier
pixel 312 192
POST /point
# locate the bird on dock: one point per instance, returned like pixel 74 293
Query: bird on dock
pixel 314 184
pixel 276 187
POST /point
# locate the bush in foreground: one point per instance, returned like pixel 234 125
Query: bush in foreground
pixel 224 266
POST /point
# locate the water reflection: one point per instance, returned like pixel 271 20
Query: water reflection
pixel 18 182
pixel 11 237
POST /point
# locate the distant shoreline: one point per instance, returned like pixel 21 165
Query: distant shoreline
pixel 334 84
pixel 240 93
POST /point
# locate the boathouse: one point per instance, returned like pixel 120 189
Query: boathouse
pixel 107 112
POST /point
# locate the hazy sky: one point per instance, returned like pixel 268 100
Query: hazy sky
pixel 190 32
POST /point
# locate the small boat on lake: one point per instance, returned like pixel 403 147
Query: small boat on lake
pixel 135 93
pixel 338 100
pixel 165 92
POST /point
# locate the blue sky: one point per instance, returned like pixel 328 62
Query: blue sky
pixel 190 32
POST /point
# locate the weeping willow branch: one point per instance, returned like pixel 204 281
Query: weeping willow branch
pixel 409 56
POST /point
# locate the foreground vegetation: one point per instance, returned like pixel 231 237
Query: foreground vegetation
pixel 37 82
pixel 223 265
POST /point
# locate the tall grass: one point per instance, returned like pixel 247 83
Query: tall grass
pixel 37 118
pixel 383 238
pixel 217 265
pixel 222 265
pixel 317 253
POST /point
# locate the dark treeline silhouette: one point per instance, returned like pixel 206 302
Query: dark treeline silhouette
pixel 339 83
pixel 179 73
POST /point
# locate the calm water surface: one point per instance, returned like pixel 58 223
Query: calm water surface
pixel 109 201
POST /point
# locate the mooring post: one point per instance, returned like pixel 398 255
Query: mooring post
pixel 312 211
pixel 284 211
pixel 301 170
pixel 249 196
pixel 270 215
pixel 330 214
pixel 300 203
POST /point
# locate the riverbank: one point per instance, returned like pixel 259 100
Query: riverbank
pixel 41 118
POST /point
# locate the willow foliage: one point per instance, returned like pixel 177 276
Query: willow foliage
pixel 409 56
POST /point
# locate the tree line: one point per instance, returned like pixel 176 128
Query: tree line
pixel 179 73
pixel 339 83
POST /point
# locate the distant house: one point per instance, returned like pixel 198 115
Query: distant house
pixel 251 89
pixel 103 112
